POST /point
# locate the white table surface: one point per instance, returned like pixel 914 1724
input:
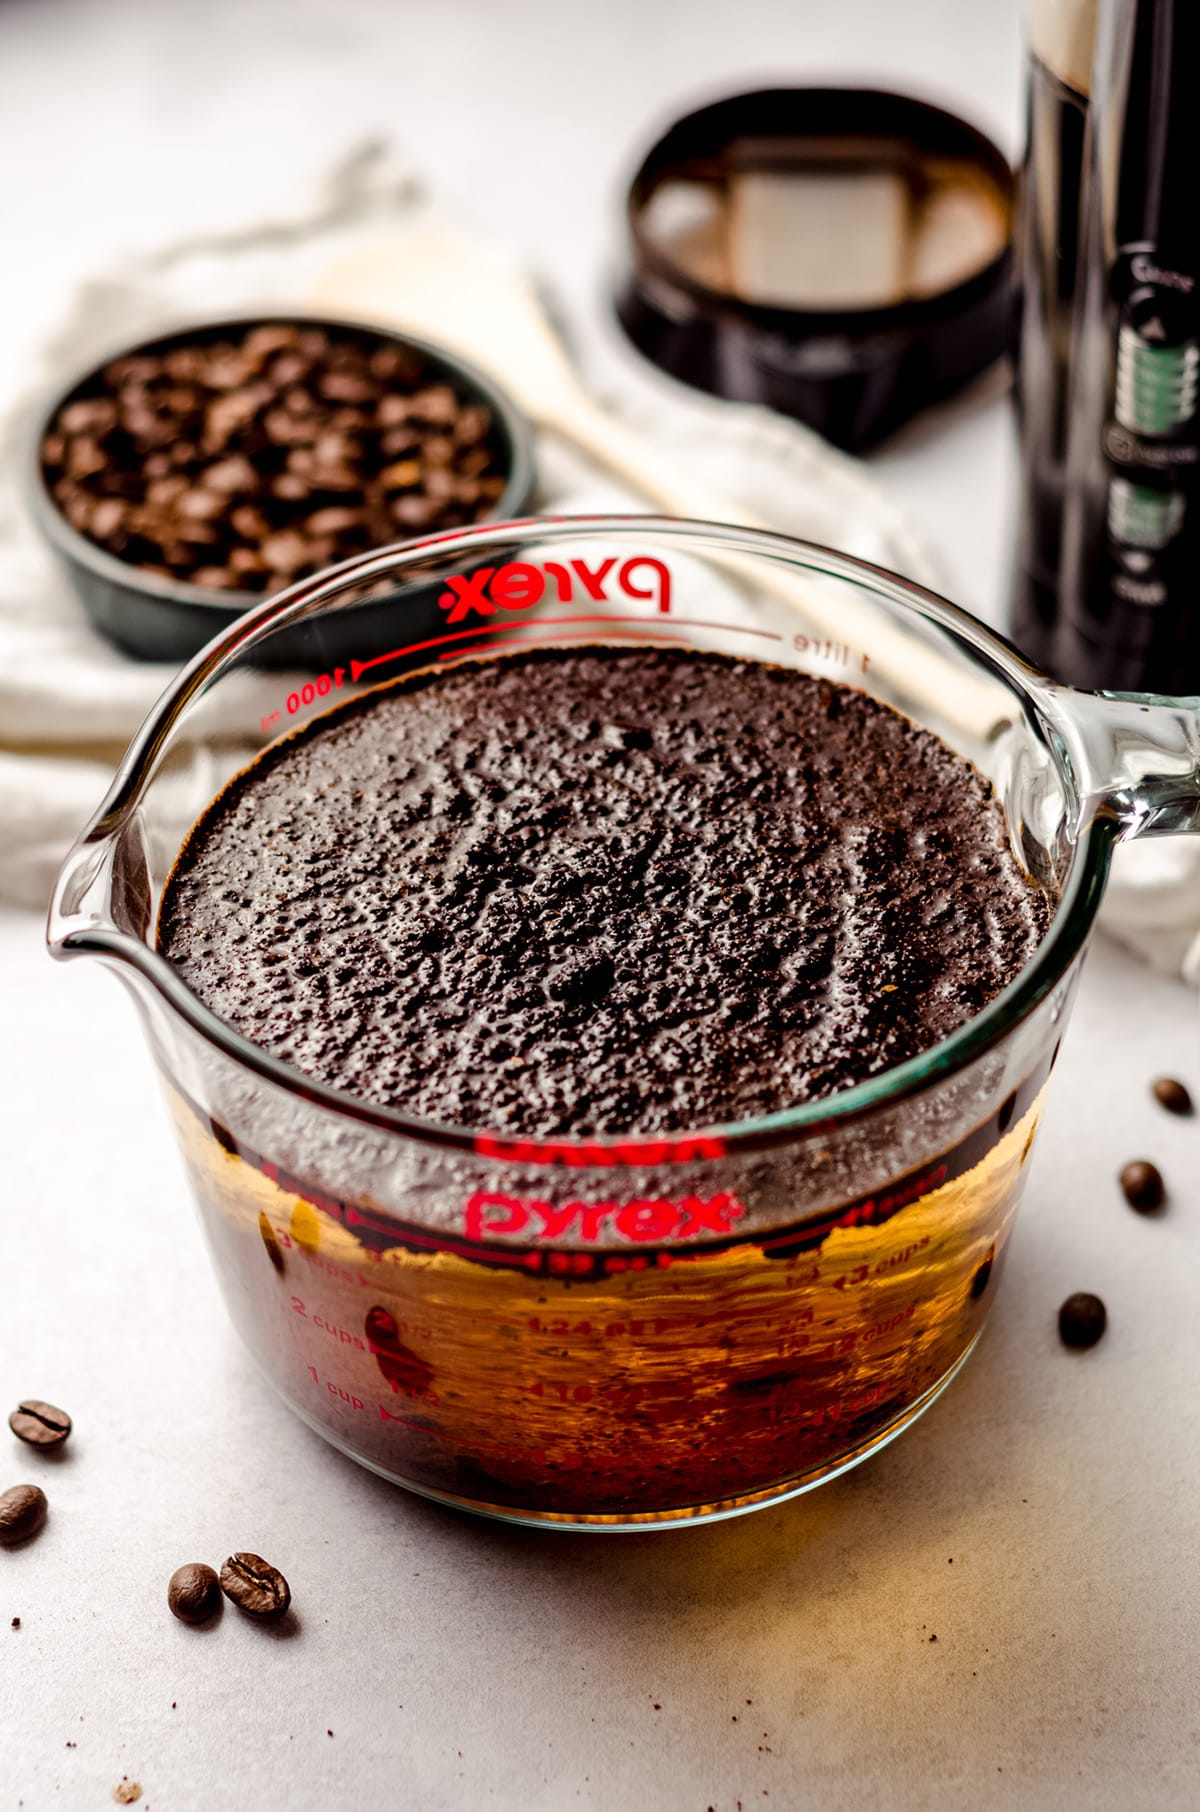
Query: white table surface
pixel 1040 1521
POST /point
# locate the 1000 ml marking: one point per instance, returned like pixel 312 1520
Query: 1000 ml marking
pixel 309 693
pixel 500 595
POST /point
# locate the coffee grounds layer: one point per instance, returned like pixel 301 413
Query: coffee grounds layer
pixel 588 892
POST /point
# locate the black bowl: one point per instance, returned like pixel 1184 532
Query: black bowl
pixel 158 619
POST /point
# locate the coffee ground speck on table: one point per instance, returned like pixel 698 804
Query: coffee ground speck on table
pixel 587 892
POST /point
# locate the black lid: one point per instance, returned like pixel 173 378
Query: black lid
pixel 853 374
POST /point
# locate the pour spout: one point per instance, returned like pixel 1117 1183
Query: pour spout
pixel 101 902
pixel 1135 758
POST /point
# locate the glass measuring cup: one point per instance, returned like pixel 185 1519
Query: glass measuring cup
pixel 623 1331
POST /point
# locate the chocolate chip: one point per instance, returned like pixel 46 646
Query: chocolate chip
pixel 194 1592
pixel 22 1513
pixel 255 1586
pixel 1143 1187
pixel 1081 1320
pixel 1172 1094
pixel 40 1424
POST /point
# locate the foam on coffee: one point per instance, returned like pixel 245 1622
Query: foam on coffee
pixel 577 892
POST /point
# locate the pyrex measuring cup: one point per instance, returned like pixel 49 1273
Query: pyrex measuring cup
pixel 626 1330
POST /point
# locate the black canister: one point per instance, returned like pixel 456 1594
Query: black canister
pixel 1109 559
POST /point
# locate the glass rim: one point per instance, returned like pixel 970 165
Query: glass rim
pixel 1058 949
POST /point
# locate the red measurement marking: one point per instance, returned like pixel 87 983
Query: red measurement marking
pixel 335 1390
pixel 358 668
pixel 489 1213
pixel 583 1156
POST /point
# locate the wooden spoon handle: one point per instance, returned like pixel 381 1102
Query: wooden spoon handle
pixel 917 672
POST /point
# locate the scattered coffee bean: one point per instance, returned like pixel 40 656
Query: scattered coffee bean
pixel 16 1623
pixel 252 460
pixel 1082 1319
pixel 255 1586
pixel 22 1512
pixel 194 1592
pixel 40 1424
pixel 1172 1094
pixel 1143 1187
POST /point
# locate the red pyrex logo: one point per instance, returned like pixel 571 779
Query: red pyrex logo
pixel 489 1214
pixel 519 585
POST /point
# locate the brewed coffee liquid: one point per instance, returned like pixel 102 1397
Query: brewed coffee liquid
pixel 577 893
pixel 602 890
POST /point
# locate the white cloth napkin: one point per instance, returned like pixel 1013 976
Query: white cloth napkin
pixel 69 702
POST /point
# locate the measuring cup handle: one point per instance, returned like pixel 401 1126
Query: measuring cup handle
pixel 1135 757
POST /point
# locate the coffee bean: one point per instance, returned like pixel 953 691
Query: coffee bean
pixel 277 433
pixel 22 1513
pixel 250 522
pixel 414 512
pixel 291 488
pixel 95 416
pixel 229 476
pixel 286 551
pixel 435 405
pixel 400 440
pixel 401 476
pixel 1081 1320
pixel 332 521
pixel 194 1593
pixel 473 425
pixel 261 342
pixel 289 370
pixel 40 1424
pixel 107 518
pixel 200 506
pixel 340 387
pixel 1172 1094
pixel 85 458
pixel 166 490
pixel 244 561
pixel 1143 1186
pixel 255 1586
pixel 438 484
